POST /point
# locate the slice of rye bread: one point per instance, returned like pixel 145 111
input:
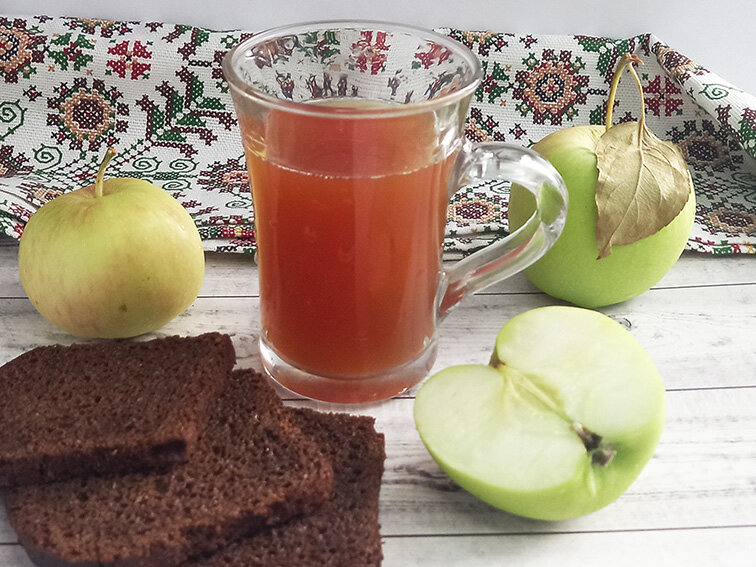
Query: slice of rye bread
pixel 109 406
pixel 253 467
pixel 344 532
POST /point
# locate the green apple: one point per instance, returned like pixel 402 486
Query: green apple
pixel 559 423
pixel 571 269
pixel 116 259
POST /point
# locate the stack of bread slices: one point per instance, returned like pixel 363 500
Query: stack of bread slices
pixel 157 453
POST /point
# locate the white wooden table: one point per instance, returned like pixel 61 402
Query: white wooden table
pixel 694 504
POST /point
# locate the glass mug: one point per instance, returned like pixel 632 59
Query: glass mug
pixel 354 139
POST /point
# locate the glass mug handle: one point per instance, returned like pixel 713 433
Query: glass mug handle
pixel 500 161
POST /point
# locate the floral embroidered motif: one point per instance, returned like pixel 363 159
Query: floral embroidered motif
pixel 483 129
pixel 20 47
pixel 88 117
pixel 73 86
pixel 435 55
pixel 481 42
pixel 66 50
pixel 369 53
pixel 747 130
pixel 733 222
pixel 228 177
pixel 495 83
pixel 319 46
pixel 609 51
pixel 13 164
pixel 706 146
pixel 551 88
pixel 106 28
pixel 130 60
pixel 660 94
pixel 478 209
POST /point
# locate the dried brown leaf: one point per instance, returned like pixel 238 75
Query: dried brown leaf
pixel 643 184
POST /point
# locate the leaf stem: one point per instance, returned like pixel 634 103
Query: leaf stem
pixel 624 61
pixel 110 154
pixel 642 121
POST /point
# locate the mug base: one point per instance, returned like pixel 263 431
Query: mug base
pixel 348 389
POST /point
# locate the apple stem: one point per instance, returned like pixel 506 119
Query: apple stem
pixel 110 154
pixel 642 121
pixel 601 453
pixel 625 60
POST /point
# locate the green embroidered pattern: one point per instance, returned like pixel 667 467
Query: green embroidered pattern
pixel 74 86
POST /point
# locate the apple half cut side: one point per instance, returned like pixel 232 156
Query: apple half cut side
pixel 558 425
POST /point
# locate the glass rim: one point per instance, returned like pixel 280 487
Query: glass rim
pixel 236 83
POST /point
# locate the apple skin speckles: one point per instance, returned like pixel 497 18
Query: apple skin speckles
pixel 112 260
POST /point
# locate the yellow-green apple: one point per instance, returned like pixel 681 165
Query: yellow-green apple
pixel 115 259
pixel 632 206
pixel 560 422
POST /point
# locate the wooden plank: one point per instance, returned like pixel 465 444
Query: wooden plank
pixel 10 286
pixel 14 556
pixel 690 548
pixel 698 338
pixel 724 547
pixel 696 269
pixel 235 274
pixel 223 274
pixel 673 325
pixel 692 269
pixel 230 275
pixel 24 328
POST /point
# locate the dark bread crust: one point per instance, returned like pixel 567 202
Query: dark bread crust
pixel 105 407
pixel 344 532
pixel 252 468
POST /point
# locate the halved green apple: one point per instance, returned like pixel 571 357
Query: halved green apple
pixel 559 424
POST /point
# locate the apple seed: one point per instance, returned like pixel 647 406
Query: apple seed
pixel 601 453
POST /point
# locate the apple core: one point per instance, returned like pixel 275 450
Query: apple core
pixel 560 422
